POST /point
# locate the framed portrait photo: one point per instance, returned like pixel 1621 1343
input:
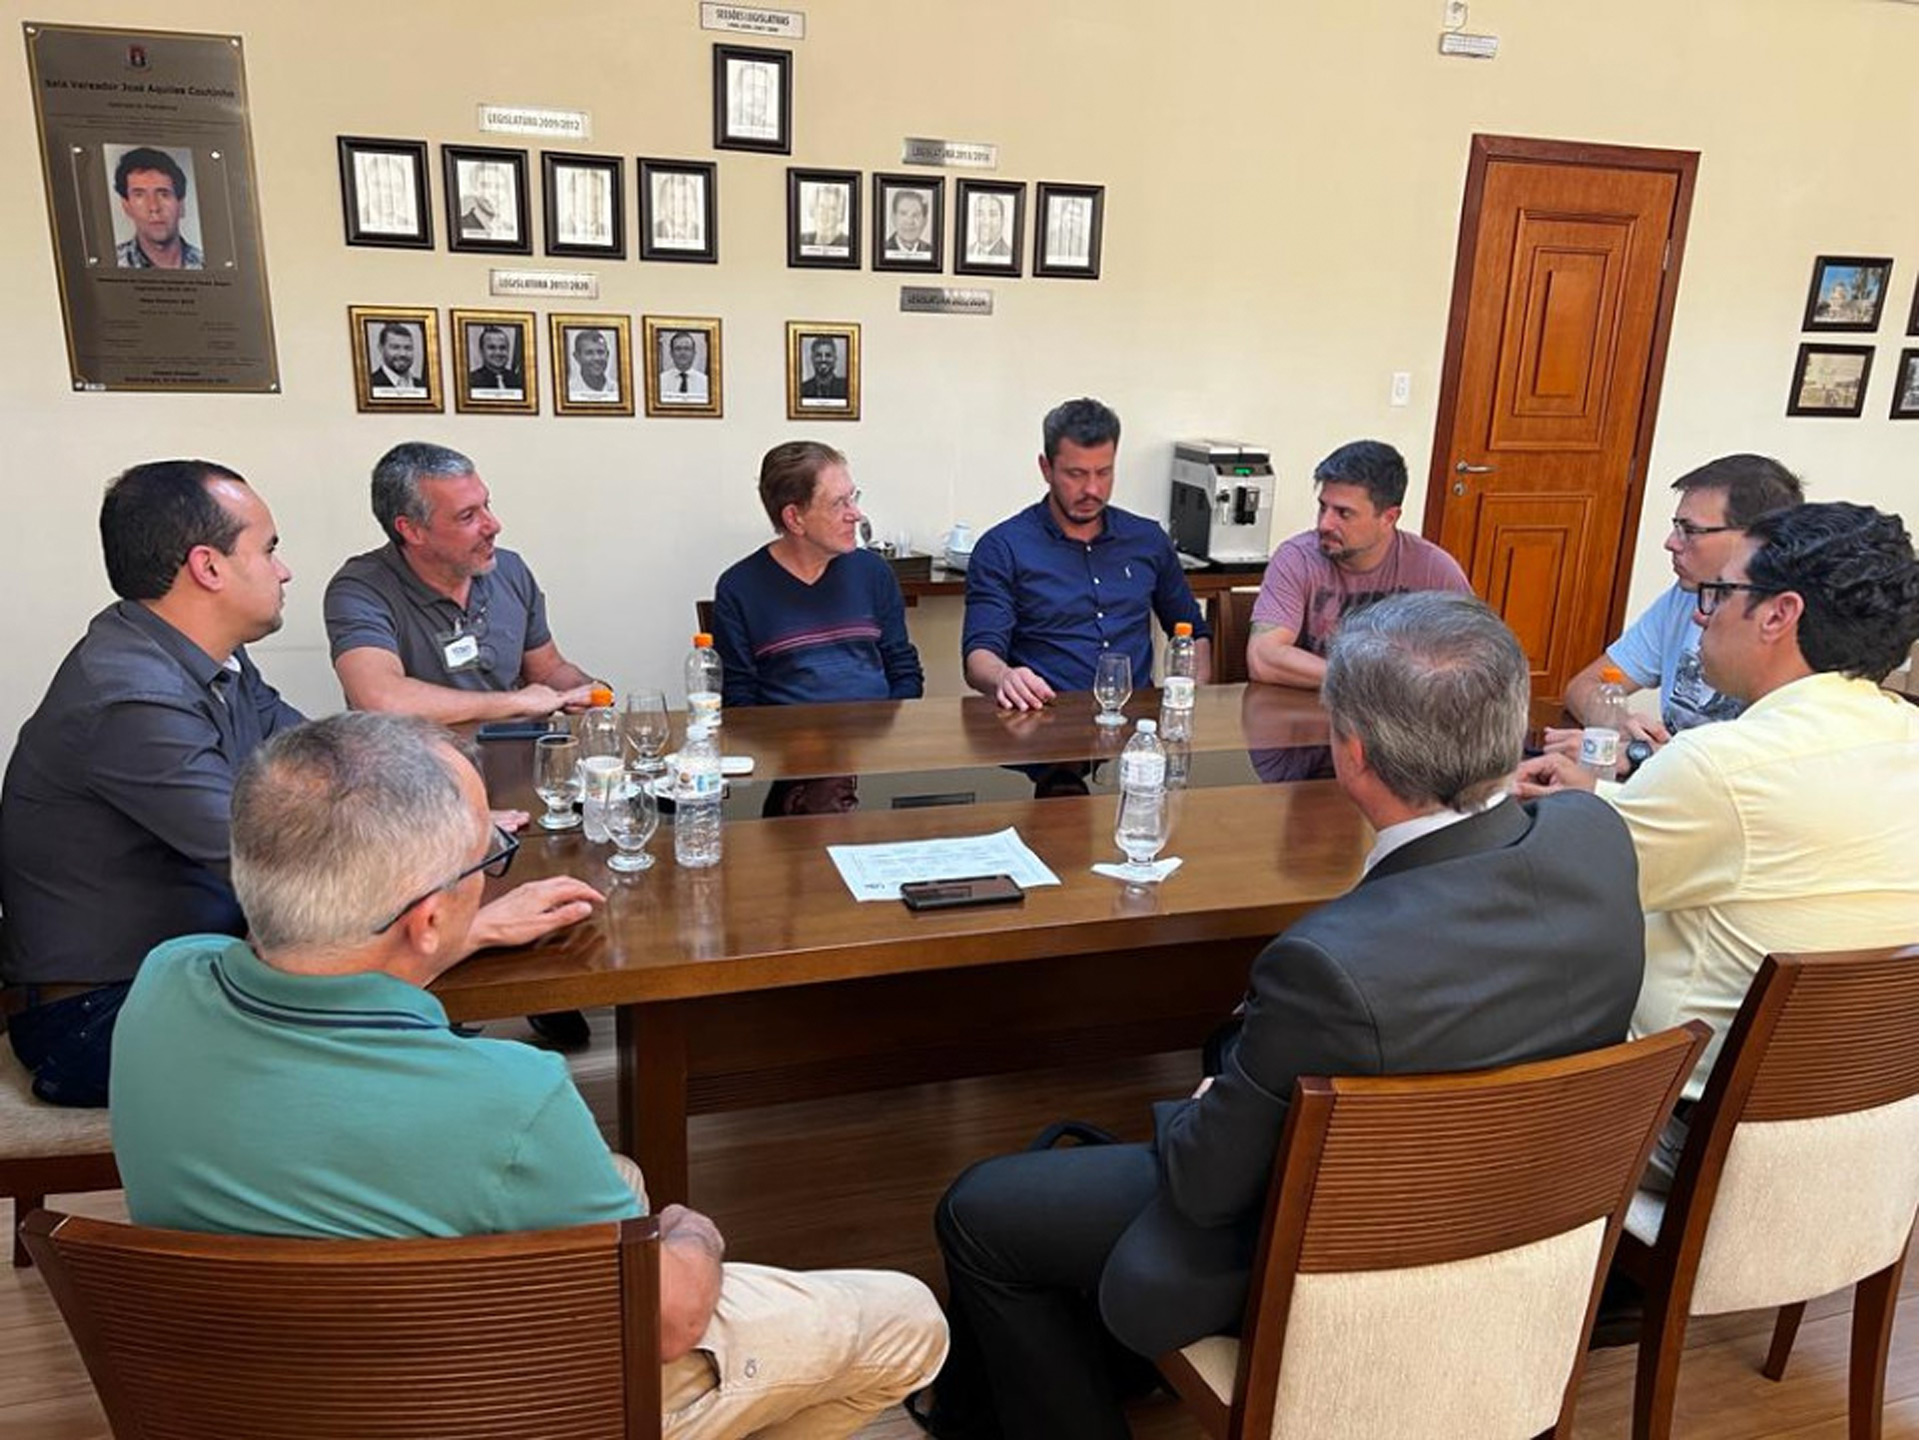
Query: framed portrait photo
pixel 583 204
pixel 909 222
pixel 487 205
pixel 494 363
pixel 1830 380
pixel 1847 293
pixel 752 99
pixel 823 219
pixel 823 370
pixel 1906 387
pixel 1066 230
pixel 592 364
pixel 679 211
pixel 989 219
pixel 683 366
pixel 164 191
pixel 383 193
pixel 396 359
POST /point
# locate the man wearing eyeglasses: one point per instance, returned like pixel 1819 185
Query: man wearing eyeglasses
pixel 812 616
pixel 1717 503
pixel 1795 827
pixel 306 1084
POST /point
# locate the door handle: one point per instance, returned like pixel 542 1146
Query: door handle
pixel 1461 467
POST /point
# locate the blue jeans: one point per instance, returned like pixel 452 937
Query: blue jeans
pixel 68 1044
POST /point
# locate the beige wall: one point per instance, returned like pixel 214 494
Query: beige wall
pixel 1283 196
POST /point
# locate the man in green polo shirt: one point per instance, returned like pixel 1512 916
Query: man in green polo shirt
pixel 304 1083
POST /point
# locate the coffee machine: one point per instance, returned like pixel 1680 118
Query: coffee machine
pixel 1222 502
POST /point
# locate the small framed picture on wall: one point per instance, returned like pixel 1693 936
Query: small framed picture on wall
pixel 494 365
pixel 383 192
pixel 909 222
pixel 752 99
pixel 823 370
pixel 990 219
pixel 683 359
pixel 1830 380
pixel 1847 293
pixel 396 359
pixel 592 364
pixel 823 219
pixel 1066 230
pixel 584 205
pixel 487 205
pixel 679 211
pixel 1906 387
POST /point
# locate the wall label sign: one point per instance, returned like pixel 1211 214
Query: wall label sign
pixel 533 120
pixel 944 300
pixel 553 284
pixel 753 20
pixel 949 154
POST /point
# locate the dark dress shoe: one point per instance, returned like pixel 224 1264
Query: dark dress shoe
pixel 562 1029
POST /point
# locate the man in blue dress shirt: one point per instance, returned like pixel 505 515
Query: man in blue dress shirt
pixel 1052 587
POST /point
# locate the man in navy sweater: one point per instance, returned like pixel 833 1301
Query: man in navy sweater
pixel 811 616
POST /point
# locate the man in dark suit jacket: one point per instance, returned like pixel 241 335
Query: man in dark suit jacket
pixel 497 370
pixel 1483 932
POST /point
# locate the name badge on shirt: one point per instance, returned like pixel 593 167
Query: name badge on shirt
pixel 462 652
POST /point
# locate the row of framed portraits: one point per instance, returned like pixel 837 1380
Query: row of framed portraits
pixel 495 364
pixel 1831 380
pixel 489 210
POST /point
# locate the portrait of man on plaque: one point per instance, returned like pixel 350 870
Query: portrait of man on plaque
pixel 398 355
pixel 988 230
pixel 488 207
pixel 592 377
pixel 156 215
pixel 495 370
pixel 682 362
pixel 396 358
pixel 685 380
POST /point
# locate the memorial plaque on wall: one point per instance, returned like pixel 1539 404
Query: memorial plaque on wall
pixel 150 192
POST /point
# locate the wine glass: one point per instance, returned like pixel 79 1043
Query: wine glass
pixel 602 778
pixel 599 731
pixel 646 730
pixel 1141 831
pixel 632 817
pixel 1112 686
pixel 556 779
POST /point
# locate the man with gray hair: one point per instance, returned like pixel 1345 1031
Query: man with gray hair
pixel 440 622
pixel 1482 932
pixel 307 1085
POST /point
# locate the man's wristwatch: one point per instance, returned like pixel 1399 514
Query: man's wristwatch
pixel 1638 752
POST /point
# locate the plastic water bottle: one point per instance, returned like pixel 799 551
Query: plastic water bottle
pixel 1141 830
pixel 703 683
pixel 1176 687
pixel 696 800
pixel 1600 742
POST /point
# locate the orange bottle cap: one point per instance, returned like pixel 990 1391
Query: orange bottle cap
pixel 601 695
pixel 1182 630
pixel 702 641
pixel 1612 675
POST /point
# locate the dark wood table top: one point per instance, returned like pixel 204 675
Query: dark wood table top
pixel 775 912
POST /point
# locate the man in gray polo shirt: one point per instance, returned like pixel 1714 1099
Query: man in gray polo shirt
pixel 440 622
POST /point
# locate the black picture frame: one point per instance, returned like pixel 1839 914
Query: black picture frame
pixel 809 245
pixel 997 252
pixel 384 195
pixel 1835 304
pixel 483 228
pixel 745 115
pixel 687 227
pixel 925 254
pixel 1830 389
pixel 1906 386
pixel 1067 224
pixel 1913 311
pixel 583 205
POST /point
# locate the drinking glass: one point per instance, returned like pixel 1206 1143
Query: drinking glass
pixel 1141 832
pixel 1112 686
pixel 646 730
pixel 556 779
pixel 599 731
pixel 632 817
pixel 602 778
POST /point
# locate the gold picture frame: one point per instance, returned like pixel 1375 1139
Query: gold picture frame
pixel 392 345
pixel 823 370
pixel 591 378
pixel 675 391
pixel 484 375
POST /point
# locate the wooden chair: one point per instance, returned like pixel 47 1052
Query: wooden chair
pixel 46 1149
pixel 1798 1177
pixel 497 1337
pixel 1231 616
pixel 1434 1248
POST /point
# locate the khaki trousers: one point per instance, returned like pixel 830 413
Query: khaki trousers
pixel 800 1355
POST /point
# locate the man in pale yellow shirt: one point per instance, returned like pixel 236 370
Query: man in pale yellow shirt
pixel 1795 827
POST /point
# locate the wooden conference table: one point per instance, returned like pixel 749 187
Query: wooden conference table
pixel 762 980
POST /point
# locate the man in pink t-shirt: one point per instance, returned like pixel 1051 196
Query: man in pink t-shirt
pixel 1353 555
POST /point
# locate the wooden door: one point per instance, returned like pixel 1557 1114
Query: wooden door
pixel 1563 296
